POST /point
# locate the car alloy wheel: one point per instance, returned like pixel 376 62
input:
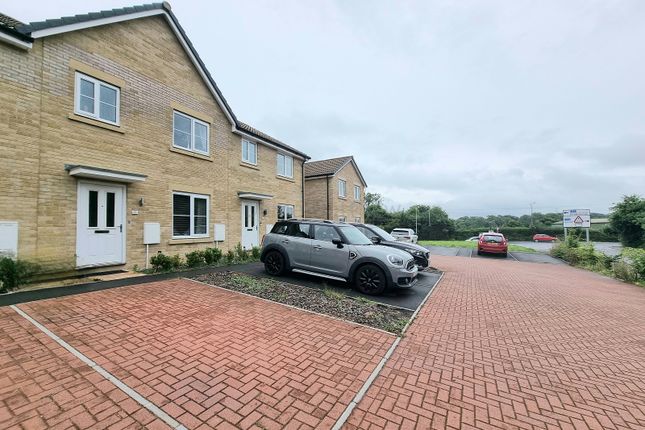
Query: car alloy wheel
pixel 274 263
pixel 370 280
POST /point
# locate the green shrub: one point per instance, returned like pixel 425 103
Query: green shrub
pixel 255 252
pixel 241 253
pixel 14 273
pixel 212 255
pixel 635 257
pixel 176 262
pixel 230 257
pixel 161 262
pixel 195 258
pixel 623 270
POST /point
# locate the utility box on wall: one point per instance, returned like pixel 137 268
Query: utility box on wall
pixel 9 239
pixel 220 232
pixel 151 233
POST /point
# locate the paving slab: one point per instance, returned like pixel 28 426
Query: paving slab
pixel 208 356
pixel 516 346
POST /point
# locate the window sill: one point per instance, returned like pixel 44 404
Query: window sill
pixel 342 197
pixel 95 122
pixel 249 165
pixel 284 178
pixel 189 240
pixel 191 154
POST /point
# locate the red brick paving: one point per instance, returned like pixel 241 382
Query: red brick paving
pixel 44 386
pixel 505 345
pixel 211 358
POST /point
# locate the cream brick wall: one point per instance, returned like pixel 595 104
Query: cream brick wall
pixel 38 138
pixel 316 200
pixel 347 206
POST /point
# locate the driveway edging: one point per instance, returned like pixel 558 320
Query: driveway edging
pixel 377 370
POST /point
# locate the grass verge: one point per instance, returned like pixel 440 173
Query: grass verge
pixel 471 245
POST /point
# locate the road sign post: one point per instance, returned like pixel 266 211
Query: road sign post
pixel 576 218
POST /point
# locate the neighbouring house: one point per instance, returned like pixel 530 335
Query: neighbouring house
pixel 335 190
pixel 110 126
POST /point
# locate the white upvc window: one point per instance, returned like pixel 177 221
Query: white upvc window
pixel 96 99
pixel 357 193
pixel 190 133
pixel 285 165
pixel 341 219
pixel 357 219
pixel 285 212
pixel 342 188
pixel 190 215
pixel 249 152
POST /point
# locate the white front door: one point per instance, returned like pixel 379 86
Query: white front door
pixel 100 229
pixel 250 224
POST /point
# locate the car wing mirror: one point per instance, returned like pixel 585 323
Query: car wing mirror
pixel 376 239
pixel 337 242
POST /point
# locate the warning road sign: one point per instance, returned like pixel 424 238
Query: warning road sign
pixel 576 218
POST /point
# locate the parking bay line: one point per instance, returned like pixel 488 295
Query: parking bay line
pixel 155 410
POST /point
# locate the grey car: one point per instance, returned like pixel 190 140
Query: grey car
pixel 336 251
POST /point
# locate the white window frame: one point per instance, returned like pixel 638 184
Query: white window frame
pixel 192 214
pixel 285 157
pixel 342 219
pixel 357 193
pixel 293 211
pixel 193 121
pixel 247 144
pixel 357 219
pixel 342 190
pixel 97 98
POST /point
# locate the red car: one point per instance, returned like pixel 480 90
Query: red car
pixel 494 243
pixel 544 238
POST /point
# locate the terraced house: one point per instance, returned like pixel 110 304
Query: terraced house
pixel 112 125
pixel 335 190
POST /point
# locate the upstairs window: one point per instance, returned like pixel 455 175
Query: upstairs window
pixel 249 152
pixel 357 193
pixel 97 99
pixel 190 133
pixel 285 166
pixel 342 188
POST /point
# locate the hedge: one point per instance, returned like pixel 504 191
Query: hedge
pixel 526 233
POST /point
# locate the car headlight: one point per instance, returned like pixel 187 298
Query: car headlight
pixel 417 253
pixel 395 260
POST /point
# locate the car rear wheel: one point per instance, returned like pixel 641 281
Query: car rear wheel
pixel 274 263
pixel 370 279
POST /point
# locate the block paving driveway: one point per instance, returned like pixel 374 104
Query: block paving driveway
pixel 498 345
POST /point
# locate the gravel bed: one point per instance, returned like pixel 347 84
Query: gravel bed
pixel 329 302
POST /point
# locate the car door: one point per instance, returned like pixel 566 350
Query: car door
pixel 297 241
pixel 326 257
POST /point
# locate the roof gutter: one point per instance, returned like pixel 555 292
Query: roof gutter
pixel 16 39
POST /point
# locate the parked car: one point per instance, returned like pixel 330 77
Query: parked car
pixel 544 238
pixel 472 239
pixel 405 235
pixel 382 237
pixel 494 243
pixel 336 251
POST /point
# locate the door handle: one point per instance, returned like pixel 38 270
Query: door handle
pixel 285 241
pixel 120 228
pixel 317 247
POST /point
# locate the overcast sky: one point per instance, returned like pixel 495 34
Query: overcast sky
pixel 481 107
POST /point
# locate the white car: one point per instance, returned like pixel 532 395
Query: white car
pixel 405 235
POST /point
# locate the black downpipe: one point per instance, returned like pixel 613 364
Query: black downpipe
pixel 302 173
pixel 328 197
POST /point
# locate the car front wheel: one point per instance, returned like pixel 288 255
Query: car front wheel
pixel 370 279
pixel 274 263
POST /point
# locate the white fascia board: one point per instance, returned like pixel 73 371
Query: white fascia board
pixel 88 172
pixel 15 41
pixel 264 142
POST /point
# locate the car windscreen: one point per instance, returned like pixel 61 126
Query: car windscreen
pixel 384 235
pixel 353 236
pixel 493 238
